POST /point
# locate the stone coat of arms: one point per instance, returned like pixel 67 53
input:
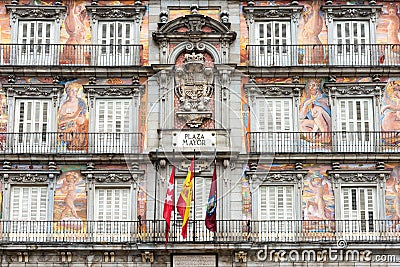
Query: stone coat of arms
pixel 194 88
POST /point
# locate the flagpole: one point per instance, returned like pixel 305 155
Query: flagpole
pixel 215 166
pixel 155 197
pixel 194 195
pixel 174 202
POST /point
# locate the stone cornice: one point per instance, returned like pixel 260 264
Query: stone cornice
pixel 116 12
pixel 288 176
pixel 36 12
pixel 367 88
pixel 113 176
pixel 358 176
pixel 28 176
pixel 114 90
pixel 351 11
pixel 33 90
pixel 274 89
pixel 254 13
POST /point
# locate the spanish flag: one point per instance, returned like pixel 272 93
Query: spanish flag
pixel 185 199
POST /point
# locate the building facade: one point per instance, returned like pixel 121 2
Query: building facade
pixel 296 102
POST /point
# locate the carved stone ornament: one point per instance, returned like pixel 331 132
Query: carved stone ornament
pixel 351 89
pixel 116 12
pixel 31 176
pixel 194 88
pixel 254 13
pixel 288 176
pixel 33 89
pixel 275 89
pixel 351 11
pixel 194 23
pixel 112 176
pixel 351 176
pixel 55 12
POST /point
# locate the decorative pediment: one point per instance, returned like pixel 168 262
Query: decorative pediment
pixel 254 13
pixel 29 176
pixel 116 12
pixel 54 12
pixel 352 176
pixel 33 90
pixel 274 89
pixel 114 90
pixel 288 176
pixel 351 11
pixel 113 176
pixel 352 89
pixel 194 27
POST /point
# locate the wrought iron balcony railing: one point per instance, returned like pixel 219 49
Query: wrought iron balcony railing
pixel 70 143
pixel 323 55
pixel 228 231
pixel 326 142
pixel 70 55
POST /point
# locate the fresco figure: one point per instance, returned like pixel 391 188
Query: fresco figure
pixel 391 111
pixel 313 24
pixel 75 27
pixel 393 28
pixel 69 188
pixel 72 119
pixel 317 186
pixel 315 115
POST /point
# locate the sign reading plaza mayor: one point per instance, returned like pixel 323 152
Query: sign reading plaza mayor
pixel 193 139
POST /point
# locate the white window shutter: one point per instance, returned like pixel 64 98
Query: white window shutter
pixel 28 203
pixel 276 202
pixel 112 204
pixel 112 116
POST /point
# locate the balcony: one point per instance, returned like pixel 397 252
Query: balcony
pixel 332 55
pixel 70 143
pixel 228 231
pixel 323 142
pixel 70 55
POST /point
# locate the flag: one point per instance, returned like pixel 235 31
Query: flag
pixel 211 212
pixel 185 199
pixel 169 203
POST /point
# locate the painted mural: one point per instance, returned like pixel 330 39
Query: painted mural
pixel 70 200
pixel 73 121
pixel 315 115
pixel 318 199
pixel 392 197
pixel 390 119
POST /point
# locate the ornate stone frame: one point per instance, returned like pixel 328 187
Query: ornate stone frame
pixel 194 39
pixel 287 177
pixel 37 91
pixel 360 178
pixel 54 13
pixel 112 179
pixel 373 90
pixel 133 13
pixel 14 177
pixel 255 91
pixel 351 12
pixel 133 92
pixel 255 14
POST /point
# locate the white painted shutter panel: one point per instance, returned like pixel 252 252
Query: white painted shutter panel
pixel 276 202
pixel 112 204
pixel 275 115
pixel 33 115
pixel 358 203
pixel 28 203
pixel 202 191
pixel 113 116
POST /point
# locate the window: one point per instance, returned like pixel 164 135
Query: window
pixel 112 214
pixel 116 31
pixel 116 38
pixel 352 40
pixel 276 202
pixel 351 34
pixel 32 123
pixel 358 207
pixel 37 43
pixel 275 120
pixel 272 31
pixel 34 37
pixel 28 203
pixel 355 124
pixel 273 40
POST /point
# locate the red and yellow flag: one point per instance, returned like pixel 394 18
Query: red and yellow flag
pixel 185 199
